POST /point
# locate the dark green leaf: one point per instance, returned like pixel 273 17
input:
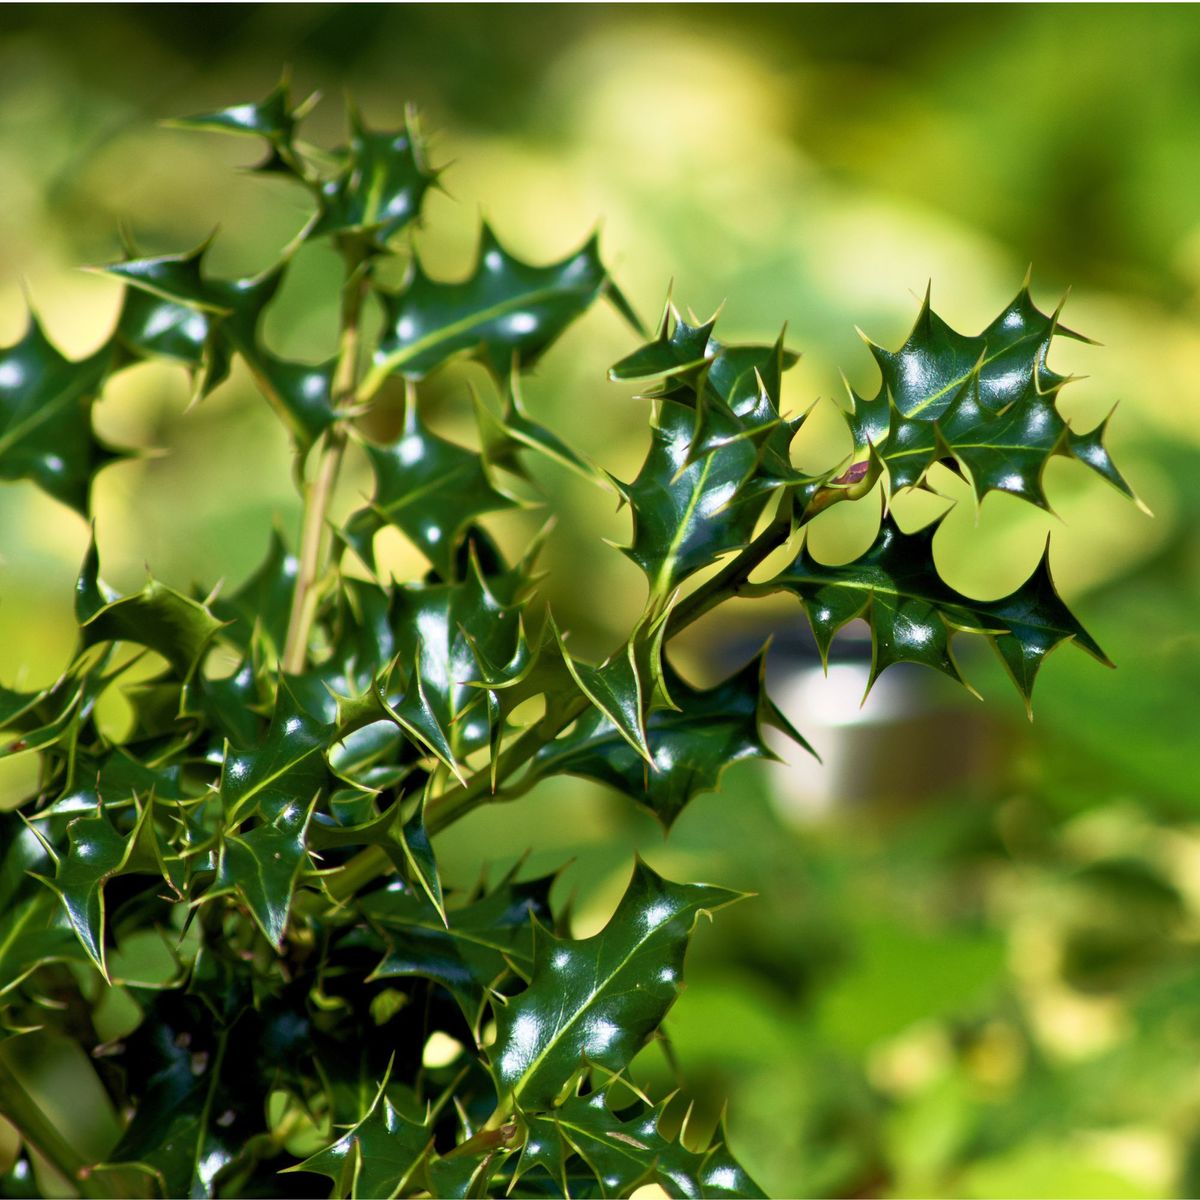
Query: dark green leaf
pixel 377 1158
pixel 97 852
pixel 166 621
pixel 926 373
pixel 45 417
pixel 264 863
pixel 504 309
pixel 625 1152
pixel 472 950
pixel 599 999
pixel 282 774
pixel 427 487
pixel 894 586
pixel 690 745
pixel 688 511
pixel 380 185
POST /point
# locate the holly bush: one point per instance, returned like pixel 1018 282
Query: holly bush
pixel 328 1015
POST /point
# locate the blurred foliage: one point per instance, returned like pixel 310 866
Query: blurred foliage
pixel 986 986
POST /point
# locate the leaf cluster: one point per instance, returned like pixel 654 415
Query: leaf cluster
pixel 269 817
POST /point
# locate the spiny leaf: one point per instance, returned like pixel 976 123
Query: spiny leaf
pixel 97 852
pixel 624 1152
pixel 46 430
pixel 158 617
pixel 430 489
pixel 618 690
pixel 894 585
pixel 468 951
pixel 377 1158
pixel 35 928
pixel 688 512
pixel 504 309
pixel 264 863
pixel 279 777
pixel 229 313
pixel 599 999
pixel 690 745
pixel 380 185
pixel 504 437
pixel 272 118
pixel 925 374
pixel 446 631
pixel 997 423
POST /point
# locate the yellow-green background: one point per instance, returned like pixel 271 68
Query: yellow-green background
pixel 982 980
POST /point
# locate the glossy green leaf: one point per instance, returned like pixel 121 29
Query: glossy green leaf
pixel 504 310
pixel 273 119
pixel 688 511
pixel 281 775
pixel 996 421
pixel 471 950
pixel 158 617
pixel 430 489
pixel 35 928
pixel 46 430
pixel 377 1158
pixel 690 745
pixel 505 436
pixel 379 186
pixel 598 1000
pixel 446 631
pixel 926 373
pixel 622 1153
pixel 894 586
pixel 96 852
pixel 263 865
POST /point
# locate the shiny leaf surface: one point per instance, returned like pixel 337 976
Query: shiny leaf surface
pixel 599 999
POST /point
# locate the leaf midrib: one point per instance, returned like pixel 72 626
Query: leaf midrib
pixel 955 383
pixel 445 333
pixel 597 988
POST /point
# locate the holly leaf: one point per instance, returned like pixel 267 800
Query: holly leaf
pixel 895 587
pixel 378 1157
pixel 281 775
pixel 996 421
pixel 929 370
pixel 690 745
pixel 46 430
pixel 504 309
pixel 624 1152
pixel 445 631
pixel 503 437
pixel 380 185
pixel 35 928
pixel 272 118
pixel 468 951
pixel 263 865
pixel 688 511
pixel 158 617
pixel 96 852
pixel 430 489
pixel 597 1000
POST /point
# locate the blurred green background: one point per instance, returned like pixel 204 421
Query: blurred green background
pixel 973 965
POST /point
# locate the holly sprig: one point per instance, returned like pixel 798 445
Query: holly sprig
pixel 278 823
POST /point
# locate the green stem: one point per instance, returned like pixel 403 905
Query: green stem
pixel 319 492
